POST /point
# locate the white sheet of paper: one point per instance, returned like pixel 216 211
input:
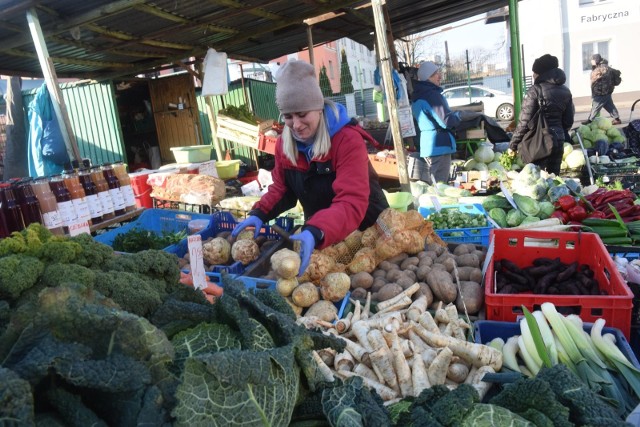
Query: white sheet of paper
pixel 194 243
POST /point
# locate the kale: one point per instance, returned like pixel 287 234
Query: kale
pixel 16 398
pixel 71 409
pixel 181 310
pixel 486 415
pixel 204 338
pixel 57 273
pixel 585 406
pixel 452 408
pixel 131 291
pixel 17 274
pixel 276 301
pixel 59 249
pixel 534 393
pixel 94 254
pixel 352 404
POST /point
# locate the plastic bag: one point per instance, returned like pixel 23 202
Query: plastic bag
pixel 215 73
pixel 153 152
pixel 53 146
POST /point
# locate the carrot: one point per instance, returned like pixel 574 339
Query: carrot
pixel 213 289
pixel 210 298
pixel 186 279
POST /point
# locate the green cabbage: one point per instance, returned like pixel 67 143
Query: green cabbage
pixel 514 218
pixel 499 216
pixel 566 149
pixel 470 164
pixel 546 209
pixel 484 154
pixel 482 167
pixel 575 159
pixel 527 205
pixel 530 219
pixel 495 201
pixel 613 132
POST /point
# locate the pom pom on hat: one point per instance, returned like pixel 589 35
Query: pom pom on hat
pixel 426 70
pixel 297 88
pixel 597 58
pixel 544 63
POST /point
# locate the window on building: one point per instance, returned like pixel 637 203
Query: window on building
pixel 589 48
pixel 330 70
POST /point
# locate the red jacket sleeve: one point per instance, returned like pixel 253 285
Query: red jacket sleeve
pixel 351 187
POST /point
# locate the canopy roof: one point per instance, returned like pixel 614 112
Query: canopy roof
pixel 101 39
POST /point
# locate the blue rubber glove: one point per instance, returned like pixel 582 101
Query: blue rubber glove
pixel 251 221
pixel 307 244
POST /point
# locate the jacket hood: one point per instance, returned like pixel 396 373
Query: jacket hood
pixel 336 123
pixel 554 76
pixel 421 89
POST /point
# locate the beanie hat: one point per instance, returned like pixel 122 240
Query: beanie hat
pixel 597 58
pixel 297 88
pixel 426 70
pixel 545 63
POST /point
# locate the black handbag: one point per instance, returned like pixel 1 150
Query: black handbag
pixel 539 140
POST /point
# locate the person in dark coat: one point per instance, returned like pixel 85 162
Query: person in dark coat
pixel 548 81
pixel 602 87
pixel 321 160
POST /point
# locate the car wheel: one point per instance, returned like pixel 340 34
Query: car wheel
pixel 505 112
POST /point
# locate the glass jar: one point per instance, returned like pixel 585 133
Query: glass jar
pixel 72 182
pixel 48 206
pixel 91 195
pixel 106 202
pixel 120 170
pixel 114 188
pixel 65 205
pixel 28 202
pixel 10 208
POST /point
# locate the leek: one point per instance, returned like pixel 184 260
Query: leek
pixel 547 337
pixel 534 335
pixel 509 352
pixel 528 360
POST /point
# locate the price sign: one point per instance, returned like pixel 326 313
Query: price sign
pixel 507 194
pixel 488 259
pixel 194 243
pixel 79 228
pixel 436 203
pixel 208 168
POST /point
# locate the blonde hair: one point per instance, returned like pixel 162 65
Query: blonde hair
pixel 322 142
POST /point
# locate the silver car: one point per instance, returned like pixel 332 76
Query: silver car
pixel 496 103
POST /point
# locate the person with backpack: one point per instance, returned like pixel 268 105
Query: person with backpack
pixel 604 79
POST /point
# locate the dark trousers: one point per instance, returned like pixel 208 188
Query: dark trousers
pixel 552 162
pixel 598 102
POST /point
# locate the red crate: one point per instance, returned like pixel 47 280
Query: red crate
pixel 267 143
pixel 520 247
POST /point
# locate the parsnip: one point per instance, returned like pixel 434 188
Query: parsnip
pixel 452 314
pixel 418 344
pixel 441 315
pixel 382 306
pixel 344 361
pixel 365 371
pixel 385 392
pixel 417 307
pixel 458 372
pixel 366 310
pixel 382 362
pixel 437 371
pixel 357 312
pixel 360 330
pixel 429 356
pixel 407 347
pixel 327 355
pixel 471 375
pixel 344 324
pixel 419 376
pixel 356 350
pixel 399 304
pixel 482 387
pixel 326 372
pixel 427 321
pixel 401 367
pixel 475 354
pixel 380 321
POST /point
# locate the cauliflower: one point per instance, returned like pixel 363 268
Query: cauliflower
pixel 216 251
pixel 245 251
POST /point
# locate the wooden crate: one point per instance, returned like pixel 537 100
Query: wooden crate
pixel 242 132
pixel 385 167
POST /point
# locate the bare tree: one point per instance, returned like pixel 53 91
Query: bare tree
pixel 416 48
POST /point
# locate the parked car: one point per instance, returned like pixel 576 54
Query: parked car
pixel 496 103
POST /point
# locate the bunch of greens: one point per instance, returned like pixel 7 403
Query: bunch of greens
pixel 449 218
pixel 136 240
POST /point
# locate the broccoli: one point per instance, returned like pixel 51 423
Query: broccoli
pixel 533 393
pixel 57 273
pixel 586 407
pixel 17 274
pixel 130 291
pixel 94 254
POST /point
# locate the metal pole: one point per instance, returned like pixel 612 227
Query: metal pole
pixel 516 59
pixel 361 89
pixel 468 74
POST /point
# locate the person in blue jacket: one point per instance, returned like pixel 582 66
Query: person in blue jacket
pixel 435 121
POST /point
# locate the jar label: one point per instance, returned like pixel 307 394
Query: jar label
pixel 118 200
pixel 95 208
pixel 52 219
pixel 82 209
pixel 106 202
pixel 67 212
pixel 129 197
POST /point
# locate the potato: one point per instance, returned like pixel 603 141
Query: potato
pixel 324 310
pixel 422 254
pixel 473 296
pixel 409 261
pixel 468 260
pixel 361 280
pixel 421 273
pixel 426 291
pixel 398 258
pixel 438 267
pixel 481 255
pixel 394 275
pixel 182 262
pixel 461 250
pixel 476 275
pixel 412 268
pixel 359 293
pixel 296 308
pixel 378 284
pixel 439 250
pixel 411 274
pixel 432 254
pixel 464 273
pixel 285 287
pixel 441 285
pixel 385 265
pixel 389 291
pixel 285 263
pixel 334 286
pixel 379 273
pixel 425 261
pixel 405 282
pixel 305 294
pixel 449 264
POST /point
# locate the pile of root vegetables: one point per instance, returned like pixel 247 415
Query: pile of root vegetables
pixel 382 264
pixel 402 348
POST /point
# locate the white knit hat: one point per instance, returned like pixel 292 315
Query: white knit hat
pixel 426 70
pixel 297 88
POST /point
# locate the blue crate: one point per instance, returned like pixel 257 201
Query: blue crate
pixel 477 236
pixel 486 330
pixel 224 221
pixel 155 220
